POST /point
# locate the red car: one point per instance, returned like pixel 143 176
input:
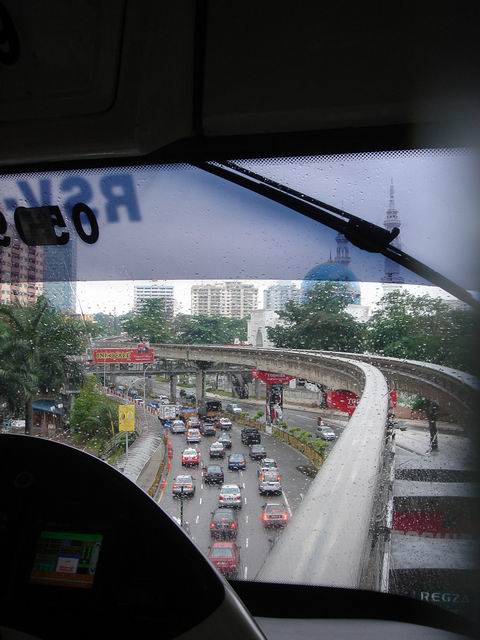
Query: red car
pixel 226 558
pixel 274 514
pixel 190 458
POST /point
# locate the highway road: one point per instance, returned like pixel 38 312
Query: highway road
pixel 306 420
pixel 255 542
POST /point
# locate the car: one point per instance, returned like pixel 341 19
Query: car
pixel 178 426
pixel 266 463
pixel 184 485
pixel 230 496
pixel 168 423
pixel 193 422
pixel 269 484
pixel 233 408
pixel 213 474
pixel 217 450
pixel 257 452
pixel 190 458
pixel 224 424
pixel 272 473
pixel 224 524
pixel 226 440
pixel 207 429
pixel 237 461
pixel 153 405
pixel 225 556
pixel 274 514
pixel 325 433
pixel 193 436
pixel 250 435
pixel 190 397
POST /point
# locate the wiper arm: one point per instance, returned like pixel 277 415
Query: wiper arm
pixel 365 235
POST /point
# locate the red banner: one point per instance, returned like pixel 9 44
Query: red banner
pixel 271 378
pixel 347 400
pixel 141 354
pixel 342 400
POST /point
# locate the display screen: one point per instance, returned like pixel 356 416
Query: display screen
pixel 66 559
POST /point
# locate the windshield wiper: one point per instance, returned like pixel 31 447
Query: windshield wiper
pixel 365 235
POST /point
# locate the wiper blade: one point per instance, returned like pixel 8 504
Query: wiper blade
pixel 365 235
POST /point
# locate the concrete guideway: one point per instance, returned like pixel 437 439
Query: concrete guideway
pixel 340 502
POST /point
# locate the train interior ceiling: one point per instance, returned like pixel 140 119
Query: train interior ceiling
pixel 198 97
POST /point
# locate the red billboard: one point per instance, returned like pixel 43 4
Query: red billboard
pixel 138 355
pixel 347 401
pixel 342 400
pixel 271 378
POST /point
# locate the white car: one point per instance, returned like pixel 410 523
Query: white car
pixel 230 496
pixel 178 427
pixel 225 423
pixel 193 436
pixel 233 408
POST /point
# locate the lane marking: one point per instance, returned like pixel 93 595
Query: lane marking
pixel 301 496
pixel 245 573
pixel 246 519
pixel 200 500
pixel 246 542
pixel 197 519
pixel 201 486
pixel 286 502
pixel 243 485
pixel 245 501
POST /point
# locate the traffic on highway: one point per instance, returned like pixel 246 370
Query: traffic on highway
pixel 222 507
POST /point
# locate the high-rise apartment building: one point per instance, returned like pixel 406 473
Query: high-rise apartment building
pixel 276 297
pixel 60 274
pixel 230 299
pixel 153 291
pixel 21 273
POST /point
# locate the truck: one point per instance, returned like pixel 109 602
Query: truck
pixel 210 409
pixel 188 412
pixel 167 412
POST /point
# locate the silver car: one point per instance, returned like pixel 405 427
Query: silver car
pixel 230 496
pixel 325 433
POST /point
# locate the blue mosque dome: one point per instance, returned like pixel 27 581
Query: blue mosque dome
pixel 335 270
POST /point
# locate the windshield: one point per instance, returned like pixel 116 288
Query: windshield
pixel 294 326
pixel 222 552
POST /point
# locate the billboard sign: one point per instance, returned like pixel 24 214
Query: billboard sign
pixel 109 355
pixel 271 378
pixel 126 417
pixel 347 401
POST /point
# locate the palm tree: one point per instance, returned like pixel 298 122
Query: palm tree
pixel 36 346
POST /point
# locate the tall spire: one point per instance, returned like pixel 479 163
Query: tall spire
pixel 392 273
pixel 392 195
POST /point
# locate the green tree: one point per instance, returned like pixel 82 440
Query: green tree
pixel 208 329
pixel 36 353
pixel 150 323
pixel 320 322
pixel 94 416
pixel 424 328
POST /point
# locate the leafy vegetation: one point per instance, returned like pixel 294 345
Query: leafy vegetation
pixel 94 416
pixel 37 349
pixel 208 329
pixel 150 323
pixel 321 322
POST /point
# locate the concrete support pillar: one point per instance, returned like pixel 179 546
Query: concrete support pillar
pixel 432 415
pixel 173 388
pixel 200 385
pixel 257 389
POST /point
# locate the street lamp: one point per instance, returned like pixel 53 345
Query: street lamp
pixel 182 496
